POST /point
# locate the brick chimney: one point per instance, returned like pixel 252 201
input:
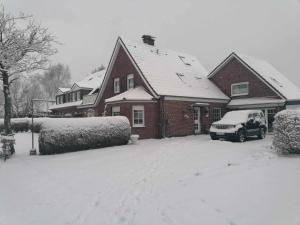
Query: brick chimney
pixel 148 39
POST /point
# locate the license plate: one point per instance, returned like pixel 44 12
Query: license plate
pixel 220 133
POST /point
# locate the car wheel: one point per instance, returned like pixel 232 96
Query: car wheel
pixel 241 136
pixel 213 137
pixel 262 133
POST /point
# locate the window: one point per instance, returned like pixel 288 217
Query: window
pixel 240 89
pixel 216 114
pixel 78 95
pixel 130 81
pixel 74 96
pixel 117 85
pixel 115 110
pixel 138 116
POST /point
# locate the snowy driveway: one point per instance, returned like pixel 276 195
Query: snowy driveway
pixel 184 181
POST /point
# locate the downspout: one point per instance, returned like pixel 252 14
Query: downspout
pixel 163 117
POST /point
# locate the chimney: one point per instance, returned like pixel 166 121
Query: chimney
pixel 148 39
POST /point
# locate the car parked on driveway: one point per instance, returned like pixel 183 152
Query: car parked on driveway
pixel 238 125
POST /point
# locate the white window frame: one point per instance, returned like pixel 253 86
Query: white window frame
pixel 117 85
pixel 138 108
pixel 115 109
pixel 130 77
pixel 236 84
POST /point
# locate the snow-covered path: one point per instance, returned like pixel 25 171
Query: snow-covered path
pixel 189 180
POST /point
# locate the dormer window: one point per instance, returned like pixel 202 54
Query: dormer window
pixel 116 85
pixel 130 81
pixel 239 89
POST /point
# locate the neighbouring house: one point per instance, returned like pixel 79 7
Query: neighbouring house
pixel 162 92
pixel 255 84
pixel 69 101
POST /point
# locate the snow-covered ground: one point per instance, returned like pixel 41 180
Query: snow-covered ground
pixel 185 181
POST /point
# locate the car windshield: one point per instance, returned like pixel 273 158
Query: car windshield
pixel 235 117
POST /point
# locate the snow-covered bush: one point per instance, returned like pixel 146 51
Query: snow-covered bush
pixel 24 124
pixel 286 137
pixel 75 134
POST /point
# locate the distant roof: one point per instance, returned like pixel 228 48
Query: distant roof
pixel 137 93
pixel 269 74
pixel 172 73
pixel 63 90
pixel 65 105
pixel 92 81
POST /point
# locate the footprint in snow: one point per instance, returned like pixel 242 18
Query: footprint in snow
pixel 197 174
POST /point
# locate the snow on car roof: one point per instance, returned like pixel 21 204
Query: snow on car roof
pixel 272 76
pixel 235 117
pixel 137 93
pixel 172 73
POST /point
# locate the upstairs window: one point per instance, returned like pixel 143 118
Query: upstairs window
pixel 78 95
pixel 239 89
pixel 115 111
pixel 116 85
pixel 138 116
pixel 130 81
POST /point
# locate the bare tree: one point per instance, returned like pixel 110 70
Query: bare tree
pixel 25 46
pixel 56 76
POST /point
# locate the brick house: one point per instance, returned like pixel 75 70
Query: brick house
pixel 162 92
pixel 71 101
pixel 254 84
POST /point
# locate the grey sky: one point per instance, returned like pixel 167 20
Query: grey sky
pixel 208 29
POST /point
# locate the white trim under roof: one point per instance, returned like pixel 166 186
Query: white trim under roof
pixel 234 55
pixel 189 99
pixel 243 103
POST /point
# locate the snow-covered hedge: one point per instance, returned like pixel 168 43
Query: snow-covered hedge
pixel 75 134
pixel 286 137
pixel 23 124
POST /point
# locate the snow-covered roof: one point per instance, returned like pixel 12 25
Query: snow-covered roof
pixel 273 76
pixel 266 72
pixel 255 101
pixel 65 105
pixel 134 94
pixel 171 73
pixel 92 81
pixel 63 90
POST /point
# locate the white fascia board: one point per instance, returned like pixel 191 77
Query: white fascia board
pixel 190 99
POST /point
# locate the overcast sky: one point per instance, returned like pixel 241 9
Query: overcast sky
pixel 207 29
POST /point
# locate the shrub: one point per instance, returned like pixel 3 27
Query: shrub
pixel 75 134
pixel 24 124
pixel 286 137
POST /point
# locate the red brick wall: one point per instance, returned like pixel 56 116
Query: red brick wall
pixel 236 72
pixel 151 129
pixel 121 68
pixel 178 125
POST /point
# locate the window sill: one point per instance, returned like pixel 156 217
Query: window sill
pixel 239 95
pixel 138 126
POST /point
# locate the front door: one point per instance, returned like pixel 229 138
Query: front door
pixel 197 121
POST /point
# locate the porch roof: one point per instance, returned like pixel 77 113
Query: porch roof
pixel 134 94
pixel 255 103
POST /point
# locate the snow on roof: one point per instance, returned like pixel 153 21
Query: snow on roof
pixel 63 90
pixel 65 105
pixel 92 81
pixel 283 85
pixel 255 101
pixel 172 73
pixel 137 93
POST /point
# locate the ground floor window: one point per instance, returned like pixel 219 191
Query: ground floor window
pixel 216 114
pixel 115 111
pixel 138 116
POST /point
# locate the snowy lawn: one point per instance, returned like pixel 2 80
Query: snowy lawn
pixel 184 181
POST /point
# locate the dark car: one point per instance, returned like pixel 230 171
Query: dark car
pixel 238 125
